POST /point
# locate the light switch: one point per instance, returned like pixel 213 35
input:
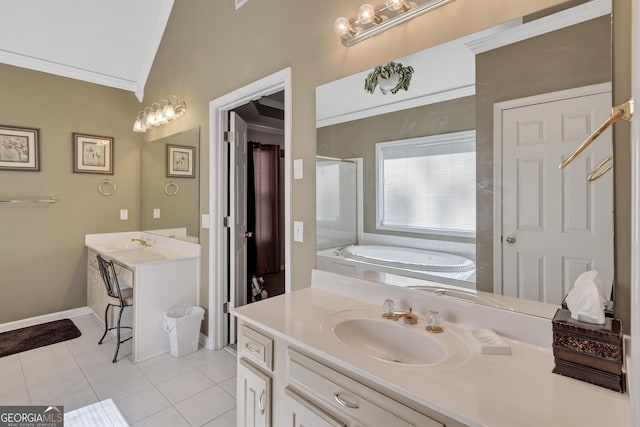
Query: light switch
pixel 205 221
pixel 297 169
pixel 124 214
pixel 156 213
pixel 298 231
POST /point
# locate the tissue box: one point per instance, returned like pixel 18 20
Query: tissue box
pixel 591 353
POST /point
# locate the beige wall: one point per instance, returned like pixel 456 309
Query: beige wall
pixel 42 255
pixel 622 152
pixel 358 138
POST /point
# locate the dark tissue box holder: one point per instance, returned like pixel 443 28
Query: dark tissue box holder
pixel 587 352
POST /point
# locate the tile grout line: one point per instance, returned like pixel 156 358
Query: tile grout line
pixel 84 374
pixel 24 378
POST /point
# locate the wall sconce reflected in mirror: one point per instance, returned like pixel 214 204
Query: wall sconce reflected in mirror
pixel 159 113
pixel 370 21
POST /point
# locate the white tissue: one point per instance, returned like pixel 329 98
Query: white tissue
pixel 586 300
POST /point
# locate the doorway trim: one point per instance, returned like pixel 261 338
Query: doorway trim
pixel 218 178
pixel 634 385
pixel 498 109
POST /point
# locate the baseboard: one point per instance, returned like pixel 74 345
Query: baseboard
pixel 75 312
pixel 206 341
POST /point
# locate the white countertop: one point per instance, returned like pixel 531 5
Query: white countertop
pixel 478 390
pixel 121 248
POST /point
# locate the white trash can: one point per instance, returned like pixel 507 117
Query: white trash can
pixel 183 326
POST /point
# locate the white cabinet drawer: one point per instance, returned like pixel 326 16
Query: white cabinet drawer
pixel 256 347
pixel 299 412
pixel 360 403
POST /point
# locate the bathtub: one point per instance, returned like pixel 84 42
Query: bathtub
pixel 418 263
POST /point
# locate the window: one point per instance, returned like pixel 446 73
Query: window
pixel 428 185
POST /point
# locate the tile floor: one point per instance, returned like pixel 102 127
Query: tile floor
pixel 195 390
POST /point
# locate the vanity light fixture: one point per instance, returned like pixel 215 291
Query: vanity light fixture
pixel 159 113
pixel 370 21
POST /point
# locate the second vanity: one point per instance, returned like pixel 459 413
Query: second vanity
pixel 164 274
pixel 303 360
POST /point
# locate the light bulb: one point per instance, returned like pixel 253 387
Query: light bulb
pixel 151 119
pixel 169 112
pixel 398 4
pixel 367 14
pixel 138 125
pixel 342 27
pixel 181 108
pixel 160 118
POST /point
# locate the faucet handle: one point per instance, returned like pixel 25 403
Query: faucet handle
pixel 388 305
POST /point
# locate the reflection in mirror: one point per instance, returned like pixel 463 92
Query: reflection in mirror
pixel 336 207
pixel 458 180
pixel 170 202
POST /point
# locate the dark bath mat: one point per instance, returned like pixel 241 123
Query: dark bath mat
pixel 31 337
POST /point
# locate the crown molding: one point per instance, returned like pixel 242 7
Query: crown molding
pixel 45 66
pixel 556 21
pixel 430 98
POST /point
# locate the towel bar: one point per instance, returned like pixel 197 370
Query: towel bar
pixel 28 201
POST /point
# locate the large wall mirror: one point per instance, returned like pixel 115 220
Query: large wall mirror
pixel 170 192
pixel 456 180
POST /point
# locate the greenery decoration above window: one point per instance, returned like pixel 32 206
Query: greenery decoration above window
pixel 390 77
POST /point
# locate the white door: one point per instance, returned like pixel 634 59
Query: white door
pixel 254 389
pixel 556 224
pixel 238 214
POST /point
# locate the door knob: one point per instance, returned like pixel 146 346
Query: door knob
pixel 248 234
pixel 510 240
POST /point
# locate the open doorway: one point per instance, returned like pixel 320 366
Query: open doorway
pixel 266 156
pixel 255 208
pixel 249 200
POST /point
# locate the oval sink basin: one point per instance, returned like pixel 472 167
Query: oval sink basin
pixel 390 341
pixel 137 256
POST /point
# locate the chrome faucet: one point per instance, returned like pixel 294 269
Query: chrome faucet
pixel 143 242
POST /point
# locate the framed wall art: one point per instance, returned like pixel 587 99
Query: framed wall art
pixel 19 148
pixel 180 161
pixel 92 154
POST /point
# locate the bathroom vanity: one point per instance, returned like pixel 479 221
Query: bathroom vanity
pixel 163 272
pixel 324 356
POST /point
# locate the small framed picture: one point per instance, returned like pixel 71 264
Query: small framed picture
pixel 180 161
pixel 92 154
pixel 19 148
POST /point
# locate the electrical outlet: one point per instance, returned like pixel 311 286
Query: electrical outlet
pixel 124 214
pixel 156 213
pixel 297 169
pixel 298 231
pixel 205 221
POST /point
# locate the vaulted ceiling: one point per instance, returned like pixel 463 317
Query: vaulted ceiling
pixel 112 42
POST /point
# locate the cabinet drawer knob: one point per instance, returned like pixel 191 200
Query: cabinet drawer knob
pixel 251 348
pixel 344 402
